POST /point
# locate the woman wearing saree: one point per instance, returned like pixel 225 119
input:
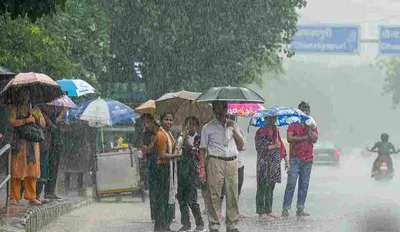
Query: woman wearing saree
pixel 270 151
pixel 25 159
pixel 165 174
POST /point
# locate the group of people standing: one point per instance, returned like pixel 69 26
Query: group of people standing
pixel 208 158
pixel 34 165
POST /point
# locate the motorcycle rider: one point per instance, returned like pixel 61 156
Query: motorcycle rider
pixel 385 148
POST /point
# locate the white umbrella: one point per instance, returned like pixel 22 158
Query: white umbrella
pixel 100 113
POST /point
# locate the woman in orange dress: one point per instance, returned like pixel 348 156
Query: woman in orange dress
pixel 25 159
pixel 165 174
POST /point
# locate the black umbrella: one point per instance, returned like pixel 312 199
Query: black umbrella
pixel 230 94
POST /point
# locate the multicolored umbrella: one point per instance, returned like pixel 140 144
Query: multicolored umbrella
pixel 284 116
pixel 107 112
pixel 63 101
pixel 76 87
pixel 42 88
pixel 244 110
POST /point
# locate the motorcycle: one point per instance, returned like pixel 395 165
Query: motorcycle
pixel 382 172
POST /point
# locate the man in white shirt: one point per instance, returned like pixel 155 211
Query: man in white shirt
pixel 221 140
pixel 240 166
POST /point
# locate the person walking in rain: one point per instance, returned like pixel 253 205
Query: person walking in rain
pixel 222 141
pixel 57 143
pixel 270 151
pixel 165 174
pixel 301 138
pixel 149 151
pixel 240 168
pixel 45 148
pixel 187 177
pixel 25 159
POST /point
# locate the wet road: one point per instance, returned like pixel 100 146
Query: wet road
pixel 340 198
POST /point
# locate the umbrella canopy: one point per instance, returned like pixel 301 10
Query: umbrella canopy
pixel 63 101
pixel 42 88
pixel 76 87
pixel 230 94
pixel 107 112
pixel 284 116
pixel 148 107
pixel 183 104
pixel 244 110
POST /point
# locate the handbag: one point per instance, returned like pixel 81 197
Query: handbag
pixel 31 132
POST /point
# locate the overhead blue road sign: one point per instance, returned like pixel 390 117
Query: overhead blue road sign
pixel 326 39
pixel 389 40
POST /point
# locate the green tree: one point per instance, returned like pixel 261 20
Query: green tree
pixel 32 9
pixel 27 47
pixel 391 67
pixel 84 24
pixel 198 44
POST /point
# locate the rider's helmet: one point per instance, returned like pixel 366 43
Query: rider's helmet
pixel 384 137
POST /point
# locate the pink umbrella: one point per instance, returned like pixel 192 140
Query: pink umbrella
pixel 63 101
pixel 41 88
pixel 244 110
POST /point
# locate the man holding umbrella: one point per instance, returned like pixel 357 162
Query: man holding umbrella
pixel 301 138
pixel 221 139
pixel 221 165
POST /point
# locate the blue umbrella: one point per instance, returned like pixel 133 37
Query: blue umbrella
pixel 284 116
pixel 102 112
pixel 75 87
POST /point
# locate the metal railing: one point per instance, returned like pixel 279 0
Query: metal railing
pixel 6 180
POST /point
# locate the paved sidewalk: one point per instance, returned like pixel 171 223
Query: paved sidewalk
pixel 24 217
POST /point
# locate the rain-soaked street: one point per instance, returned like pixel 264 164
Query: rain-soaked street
pixel 340 199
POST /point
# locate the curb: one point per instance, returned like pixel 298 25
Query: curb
pixel 39 216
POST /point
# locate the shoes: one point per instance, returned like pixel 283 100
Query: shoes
pixel 53 197
pixel 302 214
pixel 185 228
pixel 45 201
pixel 273 216
pixel 15 202
pixel 34 202
pixel 199 228
pixel 233 230
pixel 285 213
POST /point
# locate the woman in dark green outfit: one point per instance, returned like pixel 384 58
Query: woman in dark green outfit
pixel 45 148
pixel 270 151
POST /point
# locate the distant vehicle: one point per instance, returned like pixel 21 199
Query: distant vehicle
pixel 327 152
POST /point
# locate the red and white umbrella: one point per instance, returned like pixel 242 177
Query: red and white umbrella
pixel 42 89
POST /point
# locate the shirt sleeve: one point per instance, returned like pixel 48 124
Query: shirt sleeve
pixel 204 138
pixel 242 134
pixel 13 118
pixel 161 142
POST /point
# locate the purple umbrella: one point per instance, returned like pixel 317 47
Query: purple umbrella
pixel 64 101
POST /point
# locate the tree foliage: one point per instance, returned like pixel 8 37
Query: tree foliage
pixel 391 67
pixel 198 44
pixel 72 43
pixel 27 47
pixel 86 27
pixel 32 9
